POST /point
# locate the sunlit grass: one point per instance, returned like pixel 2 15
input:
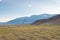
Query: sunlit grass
pixel 30 32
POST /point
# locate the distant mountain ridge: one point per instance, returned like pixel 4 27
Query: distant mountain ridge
pixel 29 20
pixel 55 20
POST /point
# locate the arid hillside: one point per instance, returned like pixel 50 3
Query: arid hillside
pixel 50 21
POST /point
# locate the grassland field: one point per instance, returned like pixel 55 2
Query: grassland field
pixel 29 32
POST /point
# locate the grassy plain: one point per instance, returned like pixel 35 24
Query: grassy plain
pixel 29 32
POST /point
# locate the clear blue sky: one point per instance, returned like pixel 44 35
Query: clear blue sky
pixel 11 9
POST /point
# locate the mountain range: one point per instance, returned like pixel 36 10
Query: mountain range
pixel 55 20
pixel 29 20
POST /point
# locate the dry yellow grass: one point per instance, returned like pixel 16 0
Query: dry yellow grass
pixel 30 32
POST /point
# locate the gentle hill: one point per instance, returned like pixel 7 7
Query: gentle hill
pixel 52 20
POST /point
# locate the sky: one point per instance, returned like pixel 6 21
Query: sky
pixel 11 9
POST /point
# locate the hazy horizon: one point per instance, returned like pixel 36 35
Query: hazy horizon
pixel 11 9
pixel 24 16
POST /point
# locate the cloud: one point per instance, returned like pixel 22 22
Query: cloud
pixel 56 0
pixel 29 5
pixel 0 0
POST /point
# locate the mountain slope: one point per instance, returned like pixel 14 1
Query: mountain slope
pixel 53 20
pixel 29 20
